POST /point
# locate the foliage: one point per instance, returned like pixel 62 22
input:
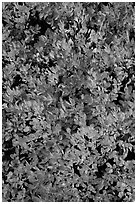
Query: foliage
pixel 68 101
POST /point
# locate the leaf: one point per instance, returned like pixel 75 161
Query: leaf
pixel 27 129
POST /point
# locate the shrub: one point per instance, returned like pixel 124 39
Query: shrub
pixel 68 101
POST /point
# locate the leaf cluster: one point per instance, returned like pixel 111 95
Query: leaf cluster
pixel 68 101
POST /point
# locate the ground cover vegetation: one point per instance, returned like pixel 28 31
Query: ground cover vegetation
pixel 68 101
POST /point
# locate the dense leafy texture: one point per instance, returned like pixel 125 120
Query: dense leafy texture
pixel 68 102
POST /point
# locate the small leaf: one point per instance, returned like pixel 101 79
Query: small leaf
pixel 27 129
